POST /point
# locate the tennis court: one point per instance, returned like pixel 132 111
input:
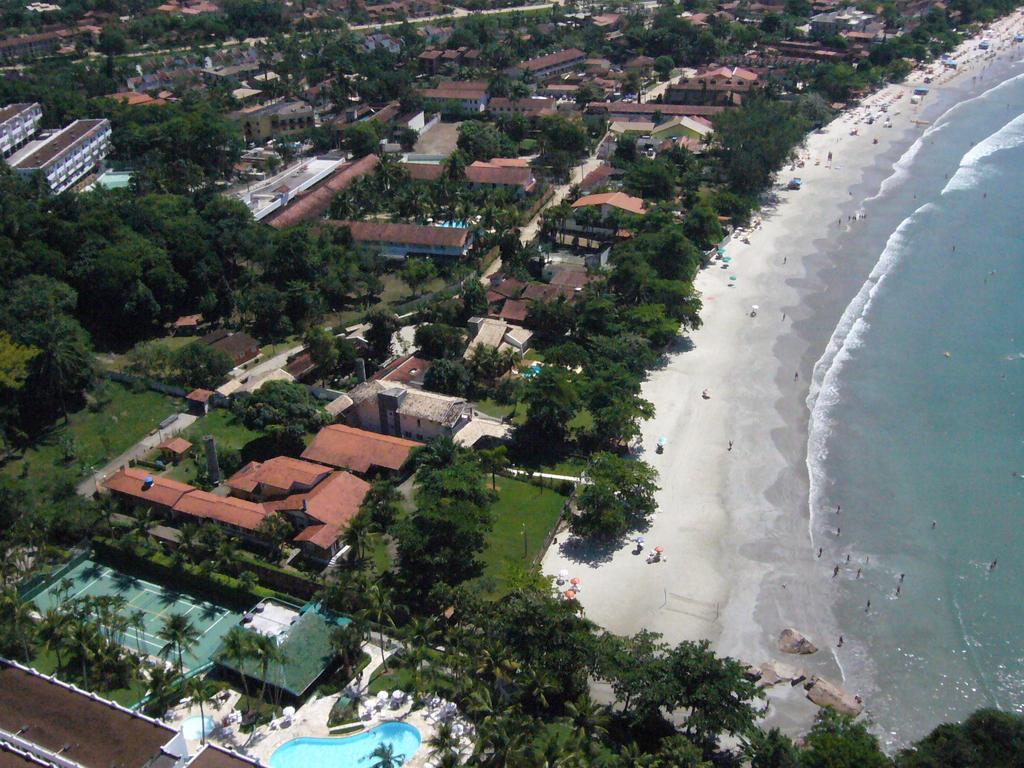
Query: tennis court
pixel 153 604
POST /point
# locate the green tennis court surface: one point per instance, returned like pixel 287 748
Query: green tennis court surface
pixel 153 603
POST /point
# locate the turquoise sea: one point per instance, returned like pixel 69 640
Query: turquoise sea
pixel 917 417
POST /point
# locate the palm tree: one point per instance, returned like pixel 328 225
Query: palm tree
pixel 384 757
pixel 266 652
pixel 346 641
pixel 83 637
pixel 443 741
pixel 356 536
pixel 161 687
pixel 587 720
pixel 380 607
pixel 201 692
pixel 188 542
pixel 179 636
pixel 493 460
pixel 137 621
pixel 17 615
pixel 238 647
pixel 54 630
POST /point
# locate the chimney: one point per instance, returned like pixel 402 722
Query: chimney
pixel 212 468
pixel 360 369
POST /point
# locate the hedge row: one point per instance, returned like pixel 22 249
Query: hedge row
pixel 212 586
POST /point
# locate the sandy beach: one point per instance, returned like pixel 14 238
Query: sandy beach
pixel 734 523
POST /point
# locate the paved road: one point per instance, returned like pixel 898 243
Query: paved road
pixel 88 486
pixel 529 232
pixel 250 377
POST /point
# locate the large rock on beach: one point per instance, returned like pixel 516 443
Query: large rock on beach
pixel 825 693
pixel 792 641
pixel 775 672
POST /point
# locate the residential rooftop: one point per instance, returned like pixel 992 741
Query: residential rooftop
pixel 359 450
pixel 52 148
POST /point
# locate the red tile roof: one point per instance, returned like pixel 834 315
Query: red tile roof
pixel 199 395
pixel 131 481
pixel 334 502
pixel 498 175
pixel 358 450
pixel 514 310
pixel 553 59
pixel 619 200
pixel 281 473
pixel 404 370
pixel 315 202
pixel 178 445
pixel 423 171
pixel 222 509
pixel 405 234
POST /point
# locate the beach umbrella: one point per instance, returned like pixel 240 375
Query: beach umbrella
pixel 639 539
pixel 659 550
pixel 727 259
pixel 288 711
pixel 563 575
pixel 570 594
pixel 574 581
pixel 662 440
pixel 732 277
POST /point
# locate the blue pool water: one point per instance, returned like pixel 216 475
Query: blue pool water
pixel 349 751
pixel 196 727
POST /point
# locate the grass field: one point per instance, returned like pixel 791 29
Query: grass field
pixel 156 603
pixel 46 663
pixel 523 516
pixel 92 437
pixel 225 428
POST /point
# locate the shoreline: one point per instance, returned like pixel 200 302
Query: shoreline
pixel 735 523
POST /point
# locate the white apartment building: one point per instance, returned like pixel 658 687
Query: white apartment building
pixel 18 124
pixel 66 156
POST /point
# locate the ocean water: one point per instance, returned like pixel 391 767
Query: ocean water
pixel 917 417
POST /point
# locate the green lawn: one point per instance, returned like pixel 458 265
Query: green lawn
pixel 46 662
pixel 92 437
pixel 225 428
pixel 523 515
pixel 499 410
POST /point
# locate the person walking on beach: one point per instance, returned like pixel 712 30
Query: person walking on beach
pixel 838 507
pixel 867 607
pixel 840 643
pixel 858 573
pixel 730 445
pixel 838 530
pixel 902 577
pixel 992 565
pixel 819 552
pixel 835 571
pixel 796 375
pixel 933 525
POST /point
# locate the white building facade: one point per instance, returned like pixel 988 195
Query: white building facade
pixel 67 156
pixel 18 124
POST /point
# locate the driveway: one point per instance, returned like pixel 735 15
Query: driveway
pixel 183 421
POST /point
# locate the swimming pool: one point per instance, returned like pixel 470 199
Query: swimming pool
pixel 344 752
pixel 196 727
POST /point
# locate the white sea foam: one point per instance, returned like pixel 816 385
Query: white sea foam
pixel 971 171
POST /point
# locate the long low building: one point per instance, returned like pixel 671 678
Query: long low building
pixel 313 202
pixel 397 241
pixel 66 156
pixel 45 722
pixel 18 124
pixel 628 110
pixel 317 500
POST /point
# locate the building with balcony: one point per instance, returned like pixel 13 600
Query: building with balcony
pixel 18 124
pixel 63 158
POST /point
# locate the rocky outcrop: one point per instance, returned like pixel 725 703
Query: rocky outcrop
pixel 825 693
pixel 775 672
pixel 792 641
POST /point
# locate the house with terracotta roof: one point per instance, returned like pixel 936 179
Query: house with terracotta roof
pixel 199 401
pixel 238 516
pixel 398 241
pixel 360 451
pixel 497 334
pixel 174 449
pixel 628 110
pixel 721 86
pixel 141 488
pixel 494 174
pixel 463 95
pixel 408 370
pixel 553 63
pixel 275 478
pixel 239 346
pixel 606 202
pixel 323 513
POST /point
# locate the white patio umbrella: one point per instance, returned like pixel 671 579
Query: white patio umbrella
pixel 563 575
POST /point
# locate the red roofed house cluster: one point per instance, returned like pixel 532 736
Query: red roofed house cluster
pixel 319 500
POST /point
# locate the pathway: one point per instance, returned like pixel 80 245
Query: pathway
pixel 527 473
pixel 87 487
